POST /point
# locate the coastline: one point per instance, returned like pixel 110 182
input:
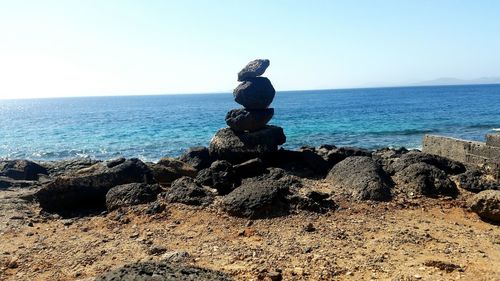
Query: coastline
pixel 194 212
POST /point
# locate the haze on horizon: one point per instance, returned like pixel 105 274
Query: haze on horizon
pixel 86 48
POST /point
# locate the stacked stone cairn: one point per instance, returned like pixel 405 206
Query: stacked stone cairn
pixel 248 135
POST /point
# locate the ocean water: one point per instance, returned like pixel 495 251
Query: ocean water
pixel 151 127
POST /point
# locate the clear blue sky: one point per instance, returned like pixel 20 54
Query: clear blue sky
pixel 97 47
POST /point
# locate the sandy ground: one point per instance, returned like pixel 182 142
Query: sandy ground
pixel 423 239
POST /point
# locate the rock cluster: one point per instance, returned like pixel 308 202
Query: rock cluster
pixel 248 135
pixel 255 94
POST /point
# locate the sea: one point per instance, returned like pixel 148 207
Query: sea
pixel 152 127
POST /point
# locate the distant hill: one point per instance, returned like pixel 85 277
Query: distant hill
pixel 455 81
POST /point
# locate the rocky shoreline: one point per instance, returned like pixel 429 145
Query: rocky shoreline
pixel 271 186
pixel 242 176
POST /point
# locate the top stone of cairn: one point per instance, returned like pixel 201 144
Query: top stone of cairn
pixel 253 69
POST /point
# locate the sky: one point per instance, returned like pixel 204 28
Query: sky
pixel 95 47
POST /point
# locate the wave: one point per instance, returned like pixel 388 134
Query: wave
pixel 407 132
pixel 483 126
pixel 496 129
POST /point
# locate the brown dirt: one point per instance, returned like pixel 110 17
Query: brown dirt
pixel 422 239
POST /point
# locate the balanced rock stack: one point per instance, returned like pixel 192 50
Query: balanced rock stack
pixel 248 135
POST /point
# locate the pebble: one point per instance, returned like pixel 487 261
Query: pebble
pixel 13 263
pixel 309 227
pixel 157 250
pixel 275 275
pixel 67 222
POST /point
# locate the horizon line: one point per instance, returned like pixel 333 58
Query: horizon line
pixel 228 92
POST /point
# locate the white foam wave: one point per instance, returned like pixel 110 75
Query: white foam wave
pixel 496 129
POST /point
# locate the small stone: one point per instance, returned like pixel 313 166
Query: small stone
pixel 248 119
pixel 308 250
pixel 157 250
pixel 275 276
pixel 253 69
pixel 309 227
pixel 13 263
pixel 175 256
pixel 134 235
pixel 29 234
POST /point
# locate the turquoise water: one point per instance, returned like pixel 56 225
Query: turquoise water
pixel 150 127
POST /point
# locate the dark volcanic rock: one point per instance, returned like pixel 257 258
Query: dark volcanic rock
pixel 255 93
pixel 476 180
pixel 424 179
pixel 237 147
pixel 198 157
pixel 162 271
pixel 220 175
pixel 314 201
pixel 305 163
pixel 445 164
pixel 338 154
pixel 115 162
pixel 21 170
pixel 258 199
pixel 251 168
pixel 6 182
pixel 87 189
pixel 362 178
pixel 487 205
pixel 264 196
pixel 131 194
pixel 387 156
pixel 248 119
pixel 253 69
pixel 185 190
pixel 71 166
pixel 169 169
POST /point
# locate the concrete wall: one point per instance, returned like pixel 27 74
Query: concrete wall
pixel 470 152
pixel 493 140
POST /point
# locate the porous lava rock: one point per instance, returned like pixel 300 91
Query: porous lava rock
pixel 131 194
pixel 477 180
pixel 198 157
pixel 254 93
pixel 186 191
pixel 304 163
pixel 161 271
pixel 169 169
pixel 424 179
pixel 21 170
pixel 264 196
pixel 253 69
pixel 487 205
pixel 221 176
pixel 87 188
pixel 237 147
pixel 338 154
pixel 251 168
pixel 361 178
pixel 449 166
pixel 248 119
